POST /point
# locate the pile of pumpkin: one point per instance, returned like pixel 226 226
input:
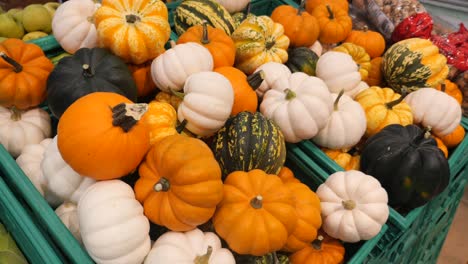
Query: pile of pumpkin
pixel 203 127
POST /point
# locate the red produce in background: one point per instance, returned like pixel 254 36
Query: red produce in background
pixel 455 47
pixel 415 26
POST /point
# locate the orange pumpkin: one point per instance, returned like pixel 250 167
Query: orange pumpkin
pixel 24 70
pixel 245 97
pixel 335 23
pixel 161 119
pixel 441 146
pixel 344 159
pixel 373 42
pixel 286 175
pixel 220 45
pixel 169 98
pixel 142 76
pixel 301 28
pixel 136 31
pixel 375 76
pixel 180 183
pixel 100 135
pixel 312 4
pixel 257 213
pixel 451 89
pixel 324 249
pixel 453 139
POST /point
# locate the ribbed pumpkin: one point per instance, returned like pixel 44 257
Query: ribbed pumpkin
pixel 169 98
pixel 24 70
pixel 383 107
pixel 142 76
pixel 302 59
pixel 359 55
pixel 453 139
pixel 373 42
pixel 259 40
pixel 441 146
pixel 414 63
pixel 335 23
pixel 136 31
pixel 451 89
pixel 215 40
pixel 193 12
pixel 375 76
pixel 312 4
pixel 301 28
pixel 344 159
pixel 324 250
pixel 232 144
pixel 161 119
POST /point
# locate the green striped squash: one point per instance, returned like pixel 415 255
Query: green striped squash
pixel 193 12
pixel 302 59
pixel 249 141
pixel 412 64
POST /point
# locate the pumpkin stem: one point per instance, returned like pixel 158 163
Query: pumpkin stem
pixel 442 87
pixel 181 126
pixel 256 79
pixel 17 67
pixel 205 39
pixel 178 94
pixel 275 258
pixel 87 72
pixel 335 105
pixel 427 132
pixel 15 114
pixel 290 94
pixel 365 28
pixel 349 204
pixel 317 243
pixel 391 104
pixel 127 115
pixel 163 185
pixel 269 44
pixel 257 202
pixel 247 9
pixel 132 18
pixel 203 259
pixel 330 12
pixel 301 8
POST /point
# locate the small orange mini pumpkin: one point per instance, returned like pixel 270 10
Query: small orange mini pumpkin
pixel 344 159
pixel 335 23
pixel 373 42
pixel 441 146
pixel 324 249
pixel 286 175
pixel 375 77
pixel 24 70
pixel 161 119
pixel 451 89
pixel 453 139
pixel 312 4
pixel 142 76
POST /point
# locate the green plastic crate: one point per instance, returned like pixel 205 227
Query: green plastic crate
pixel 47 44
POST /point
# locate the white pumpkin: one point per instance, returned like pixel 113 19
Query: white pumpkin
pixel 73 25
pixel 272 71
pixel 346 125
pixel 30 162
pixel 435 109
pixel 170 69
pixel 19 128
pixel 299 105
pixel 317 48
pixel 361 87
pixel 67 212
pixel 189 247
pixel 354 206
pixel 233 6
pixel 60 178
pixel 113 228
pixel 207 104
pixel 339 71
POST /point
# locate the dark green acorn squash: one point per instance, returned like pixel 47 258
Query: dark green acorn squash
pixel 408 164
pixel 302 59
pixel 249 141
pixel 87 71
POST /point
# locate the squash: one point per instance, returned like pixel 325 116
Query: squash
pixel 168 175
pixel 260 210
pixel 88 71
pixel 245 98
pixel 30 163
pixel 441 146
pixel 451 89
pixel 375 75
pixel 393 156
pixel 286 175
pixel 300 27
pixel 312 4
pixel 19 128
pixel 373 42
pixel 170 70
pixel 161 119
pixel 335 23
pixel 273 71
pixel 339 71
pixel 360 57
pixel 24 69
pixel 300 105
pixel 343 159
pixel 109 130
pixel 239 17
pixel 232 144
pixel 170 98
pixel 218 43
pixel 234 6
pixel 324 249
pixel 207 104
pixel 454 138
pixel 436 109
pixel 134 31
pixel 354 206
pixel 345 126
pixel 111 218
pixel 193 12
pixel 193 246
pixel 317 48
pixel 61 180
pixel 414 63
pixel 259 40
pixel 67 212
pixel 143 80
pixel 73 25
pixel 302 59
